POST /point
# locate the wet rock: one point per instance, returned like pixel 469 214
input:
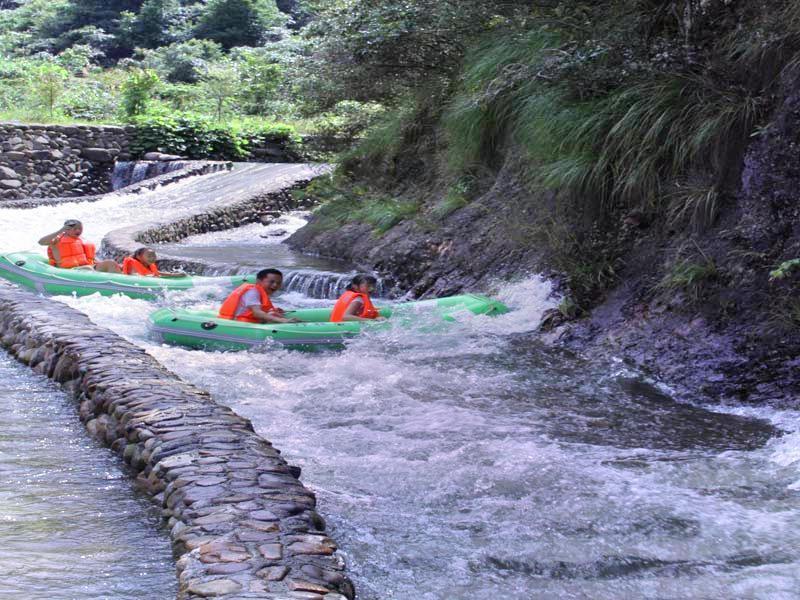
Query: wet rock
pixel 273 573
pixel 218 587
pixel 271 551
pixel 10 184
pixel 227 568
pixel 310 548
pixel 306 586
pixel 97 154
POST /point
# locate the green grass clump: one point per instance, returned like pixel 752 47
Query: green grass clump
pixel 785 269
pixel 690 275
pixel 342 203
pixel 622 148
pixel 380 143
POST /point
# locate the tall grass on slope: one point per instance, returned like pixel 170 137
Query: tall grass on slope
pixel 624 150
pixel 480 116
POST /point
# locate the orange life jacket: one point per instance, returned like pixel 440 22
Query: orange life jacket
pixel 133 266
pixel 228 308
pixel 74 252
pixel 368 311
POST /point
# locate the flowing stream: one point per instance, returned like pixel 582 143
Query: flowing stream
pixel 70 525
pixel 478 463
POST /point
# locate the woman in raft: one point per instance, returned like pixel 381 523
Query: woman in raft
pixel 143 262
pixel 251 302
pixel 66 249
pixel 354 304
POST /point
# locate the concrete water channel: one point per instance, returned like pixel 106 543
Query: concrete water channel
pixel 478 463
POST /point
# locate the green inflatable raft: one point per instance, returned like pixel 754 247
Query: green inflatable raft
pixel 204 330
pixel 32 270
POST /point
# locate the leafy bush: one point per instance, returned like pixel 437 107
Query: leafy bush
pixel 137 91
pixel 47 84
pixel 92 99
pixel 196 136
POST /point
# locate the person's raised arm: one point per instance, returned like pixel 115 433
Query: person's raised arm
pixel 50 239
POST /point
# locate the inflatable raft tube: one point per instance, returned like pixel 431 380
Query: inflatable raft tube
pixel 205 330
pixel 31 270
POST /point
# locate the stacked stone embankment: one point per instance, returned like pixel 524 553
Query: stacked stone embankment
pixel 241 523
pixel 41 161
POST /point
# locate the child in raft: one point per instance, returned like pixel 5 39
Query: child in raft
pixel 251 302
pixel 355 304
pixel 143 262
pixel 66 250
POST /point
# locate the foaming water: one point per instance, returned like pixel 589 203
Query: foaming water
pixel 70 524
pixel 469 463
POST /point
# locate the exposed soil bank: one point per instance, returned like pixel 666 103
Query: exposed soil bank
pixel 730 332
pixel 240 521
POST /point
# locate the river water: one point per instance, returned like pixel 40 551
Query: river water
pixel 70 524
pixel 479 463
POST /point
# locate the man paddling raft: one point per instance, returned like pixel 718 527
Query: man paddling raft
pixel 251 302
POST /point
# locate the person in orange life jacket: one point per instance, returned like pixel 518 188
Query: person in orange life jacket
pixel 67 250
pixel 143 262
pixel 251 302
pixel 355 304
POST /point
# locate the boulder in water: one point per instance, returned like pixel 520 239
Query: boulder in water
pixel 276 233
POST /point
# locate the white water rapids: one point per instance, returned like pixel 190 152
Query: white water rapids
pixel 479 464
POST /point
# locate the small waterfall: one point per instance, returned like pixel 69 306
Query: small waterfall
pixel 122 174
pixel 320 284
pixel 129 172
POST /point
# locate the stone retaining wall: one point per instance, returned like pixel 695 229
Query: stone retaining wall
pixel 189 169
pixel 241 523
pixel 40 161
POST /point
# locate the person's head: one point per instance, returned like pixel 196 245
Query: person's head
pixel 269 279
pixel 73 228
pixel 146 256
pixel 363 284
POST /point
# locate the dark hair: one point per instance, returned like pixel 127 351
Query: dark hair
pixel 361 278
pixel 264 272
pixel 72 223
pixel 140 251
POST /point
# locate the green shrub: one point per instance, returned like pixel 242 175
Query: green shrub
pixel 47 84
pixel 196 136
pixel 138 90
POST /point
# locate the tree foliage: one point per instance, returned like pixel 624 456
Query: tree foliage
pixel 47 83
pixel 237 22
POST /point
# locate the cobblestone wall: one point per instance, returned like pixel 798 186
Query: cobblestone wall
pixel 241 523
pixel 41 161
